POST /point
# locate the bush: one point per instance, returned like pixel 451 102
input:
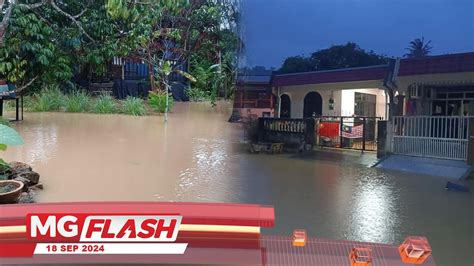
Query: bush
pixel 134 106
pixel 105 104
pixel 196 94
pixel 157 101
pixel 78 102
pixel 49 99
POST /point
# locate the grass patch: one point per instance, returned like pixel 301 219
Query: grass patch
pixel 50 99
pixel 105 104
pixel 134 106
pixel 78 102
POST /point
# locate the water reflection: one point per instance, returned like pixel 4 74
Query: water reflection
pixel 373 218
pixel 41 145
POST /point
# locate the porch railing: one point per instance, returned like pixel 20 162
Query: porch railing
pixel 444 137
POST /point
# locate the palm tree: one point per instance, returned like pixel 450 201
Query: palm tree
pixel 418 48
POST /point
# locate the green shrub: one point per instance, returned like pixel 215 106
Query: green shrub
pixel 78 102
pixel 105 104
pixel 157 101
pixel 134 106
pixel 49 99
pixel 196 94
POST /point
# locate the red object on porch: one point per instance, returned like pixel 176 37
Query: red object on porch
pixel 415 249
pixel 329 129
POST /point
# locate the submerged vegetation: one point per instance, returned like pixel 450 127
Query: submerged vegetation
pixel 78 101
pixel 105 104
pixel 134 106
pixel 51 99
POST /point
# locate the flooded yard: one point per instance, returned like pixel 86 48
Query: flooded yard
pixel 88 157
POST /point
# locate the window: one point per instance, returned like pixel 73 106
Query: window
pixel 415 92
pixel 364 104
pixel 456 95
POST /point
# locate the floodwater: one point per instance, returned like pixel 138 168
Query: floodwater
pixel 88 157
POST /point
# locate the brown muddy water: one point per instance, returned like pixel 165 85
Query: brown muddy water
pixel 88 157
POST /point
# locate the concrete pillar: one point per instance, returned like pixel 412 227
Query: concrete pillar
pixel 381 139
pixel 470 147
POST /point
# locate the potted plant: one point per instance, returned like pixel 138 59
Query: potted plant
pixel 10 191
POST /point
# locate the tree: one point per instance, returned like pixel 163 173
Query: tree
pixel 177 37
pixel 419 48
pixel 295 64
pixel 49 40
pixel 334 57
pixel 44 41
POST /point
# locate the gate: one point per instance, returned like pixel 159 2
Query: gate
pixel 347 132
pixel 444 137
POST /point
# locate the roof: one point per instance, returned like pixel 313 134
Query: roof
pixel 450 63
pixel 329 76
pixel 254 80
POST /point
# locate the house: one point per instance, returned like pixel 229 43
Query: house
pixel 428 102
pixel 253 97
pixel 435 85
pixel 341 92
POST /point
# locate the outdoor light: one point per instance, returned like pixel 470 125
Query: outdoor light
pixel 299 238
pixel 361 256
pixel 331 103
pixel 415 249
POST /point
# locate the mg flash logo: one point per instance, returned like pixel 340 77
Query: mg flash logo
pixel 103 228
pixel 93 233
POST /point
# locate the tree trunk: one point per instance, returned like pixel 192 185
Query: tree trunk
pixel 5 21
pixel 151 71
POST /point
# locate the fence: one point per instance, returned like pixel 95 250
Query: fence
pixel 294 133
pixel 359 133
pixel 443 137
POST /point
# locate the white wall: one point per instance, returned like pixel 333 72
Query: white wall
pixel 348 98
pixel 342 93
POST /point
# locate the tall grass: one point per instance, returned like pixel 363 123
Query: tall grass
pixel 105 104
pixel 78 101
pixel 49 99
pixel 134 106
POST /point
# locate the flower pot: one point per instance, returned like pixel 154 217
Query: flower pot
pixel 13 195
pixel 3 82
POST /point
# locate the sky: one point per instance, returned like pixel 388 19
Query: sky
pixel 275 29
